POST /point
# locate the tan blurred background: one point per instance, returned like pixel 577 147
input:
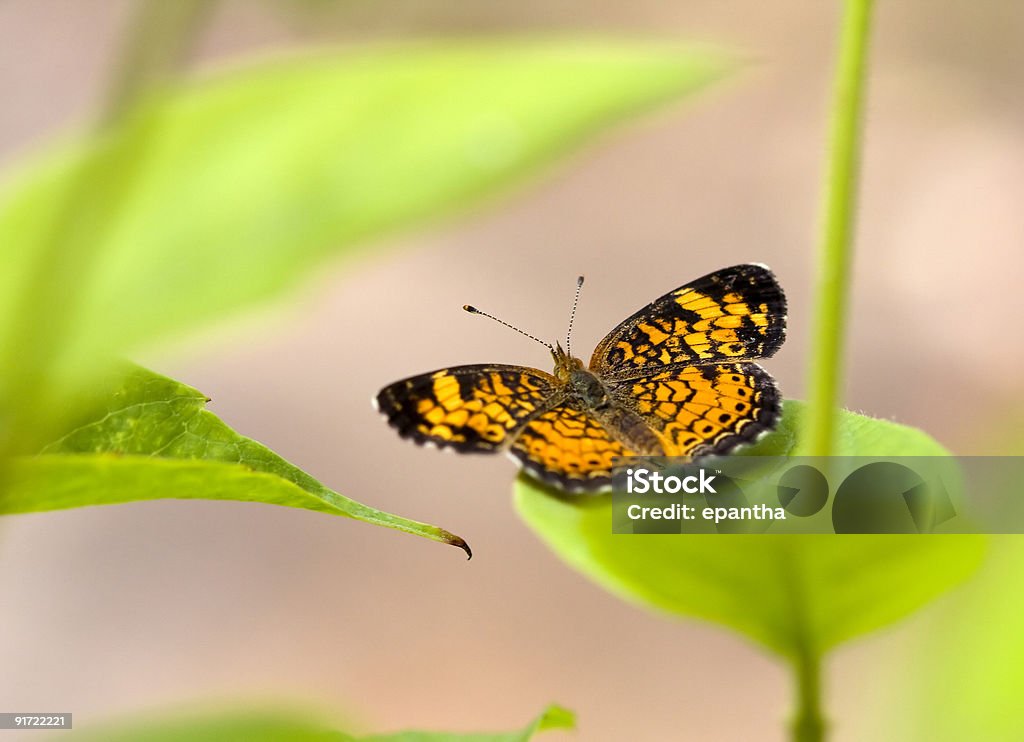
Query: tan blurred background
pixel 111 610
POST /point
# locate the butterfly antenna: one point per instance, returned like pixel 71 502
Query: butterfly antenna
pixel 572 315
pixel 474 310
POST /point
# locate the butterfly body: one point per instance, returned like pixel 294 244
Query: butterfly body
pixel 675 379
pixel 585 392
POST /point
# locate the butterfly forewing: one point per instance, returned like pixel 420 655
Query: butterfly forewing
pixel 468 408
pixel 734 314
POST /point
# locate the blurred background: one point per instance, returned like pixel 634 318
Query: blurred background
pixel 114 610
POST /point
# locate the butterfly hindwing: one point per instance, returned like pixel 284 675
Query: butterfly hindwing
pixel 568 448
pixel 703 410
pixel 733 314
pixel 468 408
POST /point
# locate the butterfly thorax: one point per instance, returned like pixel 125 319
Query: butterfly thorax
pixel 586 392
pixel 581 383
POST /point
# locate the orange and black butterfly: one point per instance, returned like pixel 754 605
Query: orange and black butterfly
pixel 677 378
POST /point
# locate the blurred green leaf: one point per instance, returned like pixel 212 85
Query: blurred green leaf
pixel 222 192
pixel 960 676
pixel 554 717
pixel 798 595
pixel 223 727
pixel 148 437
pixel 252 727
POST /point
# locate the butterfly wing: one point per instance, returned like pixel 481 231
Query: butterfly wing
pixel 703 410
pixel 733 314
pixel 567 448
pixel 468 408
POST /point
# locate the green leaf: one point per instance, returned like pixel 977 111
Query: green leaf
pixel 798 595
pixel 554 717
pixel 148 437
pixel 223 192
pixel 857 435
pixel 267 727
pixel 959 676
pixel 238 726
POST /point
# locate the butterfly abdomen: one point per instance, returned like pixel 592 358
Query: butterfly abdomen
pixel 631 430
pixel 590 395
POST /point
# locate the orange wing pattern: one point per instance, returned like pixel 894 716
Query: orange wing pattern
pixel 468 408
pixel 569 449
pixel 702 410
pixel 734 314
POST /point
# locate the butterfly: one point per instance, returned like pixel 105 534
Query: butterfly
pixel 677 378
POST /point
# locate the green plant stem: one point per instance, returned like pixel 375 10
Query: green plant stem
pixel 159 41
pixel 825 377
pixel 808 723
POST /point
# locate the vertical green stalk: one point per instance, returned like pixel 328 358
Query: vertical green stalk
pixel 160 39
pixel 808 723
pixel 825 377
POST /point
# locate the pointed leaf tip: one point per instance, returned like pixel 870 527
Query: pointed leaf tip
pixel 451 538
pixel 556 717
